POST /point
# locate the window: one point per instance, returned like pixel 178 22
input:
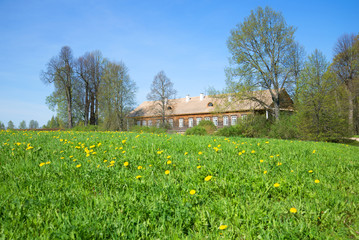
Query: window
pixel 158 122
pixel 244 116
pixel 190 122
pixel 207 118
pixel 210 104
pixel 215 121
pixel 180 122
pixel 169 108
pixel 198 120
pixel 144 123
pixel 225 120
pixel 233 120
pixel 138 123
pixel 149 123
pixel 170 121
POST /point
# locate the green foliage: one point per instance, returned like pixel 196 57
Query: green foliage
pixel 230 131
pixel 10 125
pixel 145 129
pixel 51 188
pixel 87 128
pixel 197 130
pixel 2 126
pixel 22 125
pixel 208 126
pixel 286 127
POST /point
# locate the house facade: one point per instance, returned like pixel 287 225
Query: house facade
pixel 223 111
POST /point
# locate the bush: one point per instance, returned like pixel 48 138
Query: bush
pixel 197 130
pixel 285 128
pixel 148 129
pixel 82 128
pixel 231 131
pixel 208 126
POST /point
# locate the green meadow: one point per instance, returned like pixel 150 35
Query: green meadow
pixel 120 185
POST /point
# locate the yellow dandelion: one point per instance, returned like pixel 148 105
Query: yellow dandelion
pixel 123 141
pixel 266 142
pixel 74 160
pixel 271 156
pixel 198 167
pixel 279 163
pixel 253 151
pixel 41 164
pixel 185 153
pixel 261 160
pixel 317 181
pixel 314 151
pixel 276 185
pixel 265 172
pixel 138 177
pixel 243 151
pixel 209 145
pixel 192 192
pixel 78 165
pixel 105 160
pixel 200 153
pixel 48 162
pixel 61 157
pixel 293 210
pixel 139 167
pixel 167 172
pixel 208 178
pixel 125 164
pixel 98 166
pixel 291 170
pixel 222 227
pixel 112 162
pixel 240 153
pixel 169 162
pixel 310 171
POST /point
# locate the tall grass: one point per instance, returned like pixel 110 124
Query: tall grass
pixel 116 185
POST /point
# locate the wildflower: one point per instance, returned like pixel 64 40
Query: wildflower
pixel 185 153
pixel 74 160
pixel 41 164
pixel 271 156
pixel 265 172
pixel 266 142
pixel 167 172
pixel 123 152
pixel 105 160
pixel 198 167
pixel 125 164
pixel 123 141
pixel 222 227
pixel 293 210
pixel 168 157
pixel 48 162
pixel 78 165
pixel 310 171
pixel 209 145
pixel 98 166
pixel 169 162
pixel 276 185
pixel 139 167
pixel 208 178
pixel 313 151
pixel 291 171
pixel 200 153
pixel 317 181
pixel 253 151
pixel 159 152
pixel 243 151
pixel 138 177
pixel 261 160
pixel 71 156
pixel 99 144
pixel 192 192
pixel 240 153
pixel 112 162
pixel 279 163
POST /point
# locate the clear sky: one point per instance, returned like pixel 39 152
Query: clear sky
pixel 184 38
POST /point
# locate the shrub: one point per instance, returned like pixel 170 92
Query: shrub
pixel 208 126
pixel 147 129
pixel 197 130
pixel 285 128
pixel 230 131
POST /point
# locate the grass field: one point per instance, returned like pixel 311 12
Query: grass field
pixel 117 185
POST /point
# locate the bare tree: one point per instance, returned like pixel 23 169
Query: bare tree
pixel 262 49
pixel 162 92
pixel 346 67
pixel 60 71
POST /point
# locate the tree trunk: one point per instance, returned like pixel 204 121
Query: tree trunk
pixel 87 104
pixel 351 111
pixel 69 108
pixel 92 110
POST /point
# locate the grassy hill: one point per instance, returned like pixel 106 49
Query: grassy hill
pixel 117 185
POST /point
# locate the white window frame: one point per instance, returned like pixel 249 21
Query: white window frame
pixel 144 123
pixel 139 123
pixel 180 122
pixel 190 122
pixel 225 121
pixel 215 121
pixel 170 121
pixel 233 120
pixel 198 120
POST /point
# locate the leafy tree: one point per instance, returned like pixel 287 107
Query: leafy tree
pixel 346 67
pixel 161 93
pixel 10 125
pixel 60 71
pixel 319 117
pixel 263 56
pixel 22 125
pixel 33 124
pixel 2 126
pixel 117 92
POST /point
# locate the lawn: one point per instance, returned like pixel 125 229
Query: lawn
pixel 119 185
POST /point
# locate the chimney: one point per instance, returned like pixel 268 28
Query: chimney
pixel 187 98
pixel 201 97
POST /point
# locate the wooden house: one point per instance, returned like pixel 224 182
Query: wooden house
pixel 183 113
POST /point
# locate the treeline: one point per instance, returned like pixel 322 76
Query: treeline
pixel 88 90
pixel 33 124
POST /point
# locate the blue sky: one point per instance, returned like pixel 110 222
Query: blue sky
pixel 186 39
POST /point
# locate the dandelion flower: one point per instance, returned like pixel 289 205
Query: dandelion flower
pixel 138 177
pixel 222 227
pixel 261 160
pixel 192 192
pixel 125 164
pixel 169 162
pixel 253 151
pixel 200 153
pixel 276 185
pixel 198 167
pixel 185 153
pixel 310 171
pixel 168 157
pixel 48 162
pixel 139 167
pixel 271 156
pixel 293 210
pixel 265 172
pixel 313 151
pixel 240 153
pixel 317 181
pixel 41 164
pixel 78 165
pixel 279 163
pixel 208 178
pixel 167 172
